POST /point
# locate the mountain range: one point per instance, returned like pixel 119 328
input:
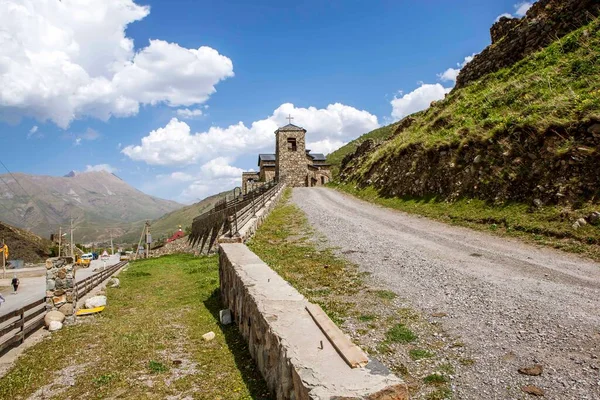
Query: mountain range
pixel 99 204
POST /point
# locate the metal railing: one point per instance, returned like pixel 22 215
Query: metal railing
pixel 228 217
pixel 17 325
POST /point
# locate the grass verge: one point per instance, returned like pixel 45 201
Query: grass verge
pixel 381 322
pixel 147 344
pixel 545 226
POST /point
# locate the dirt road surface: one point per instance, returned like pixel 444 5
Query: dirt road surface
pixel 512 304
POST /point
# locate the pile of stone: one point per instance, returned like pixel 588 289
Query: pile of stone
pixel 61 296
pixel 592 219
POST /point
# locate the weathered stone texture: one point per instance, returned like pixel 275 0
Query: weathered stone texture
pixel 291 164
pixel 246 178
pixel 284 340
pixel 60 285
pixel 514 39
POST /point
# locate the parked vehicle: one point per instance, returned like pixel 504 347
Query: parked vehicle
pixel 84 260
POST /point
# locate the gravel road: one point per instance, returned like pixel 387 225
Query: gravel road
pixel 513 305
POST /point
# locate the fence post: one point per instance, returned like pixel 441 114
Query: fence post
pixel 22 332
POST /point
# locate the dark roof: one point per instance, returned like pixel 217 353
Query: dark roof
pixel 317 157
pixel 290 127
pixel 266 158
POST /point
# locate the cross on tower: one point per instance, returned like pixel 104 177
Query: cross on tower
pixel 290 118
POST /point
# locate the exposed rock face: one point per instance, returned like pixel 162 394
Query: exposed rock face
pixel 514 39
pixel 511 166
pixel 501 28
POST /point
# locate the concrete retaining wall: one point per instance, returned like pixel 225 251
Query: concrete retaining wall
pixel 292 353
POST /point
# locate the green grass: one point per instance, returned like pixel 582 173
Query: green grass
pixel 549 225
pixel 435 379
pixel 378 136
pixel 147 343
pixel 419 354
pixel 399 333
pixel 283 242
pixel 386 294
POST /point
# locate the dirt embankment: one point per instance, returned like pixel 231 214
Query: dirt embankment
pixel 559 166
pixel 24 245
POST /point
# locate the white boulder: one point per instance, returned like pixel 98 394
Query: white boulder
pixel 208 336
pixel 114 283
pixel 52 316
pixel 55 326
pixel 96 301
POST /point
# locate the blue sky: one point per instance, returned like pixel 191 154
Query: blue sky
pixel 83 87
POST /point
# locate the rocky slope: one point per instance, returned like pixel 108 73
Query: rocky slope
pixel 23 245
pixel 529 132
pixel 96 201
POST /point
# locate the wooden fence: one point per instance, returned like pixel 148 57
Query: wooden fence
pixel 17 325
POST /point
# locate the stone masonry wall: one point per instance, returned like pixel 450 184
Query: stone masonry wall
pixel 514 39
pixel 292 167
pixel 292 353
pixel 60 285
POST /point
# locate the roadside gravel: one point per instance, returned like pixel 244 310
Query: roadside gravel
pixel 513 305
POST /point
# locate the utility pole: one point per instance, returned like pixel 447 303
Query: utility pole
pixel 112 249
pixel 3 261
pixel 72 253
pixel 147 239
pixel 59 239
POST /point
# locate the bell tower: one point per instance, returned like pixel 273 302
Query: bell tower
pixel 290 155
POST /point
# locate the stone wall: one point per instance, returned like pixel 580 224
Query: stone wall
pixel 267 174
pixel 61 293
pixel 179 246
pixel 291 165
pixel 254 176
pixel 514 39
pixel 292 353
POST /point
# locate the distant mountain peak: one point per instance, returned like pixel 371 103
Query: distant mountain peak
pixel 71 174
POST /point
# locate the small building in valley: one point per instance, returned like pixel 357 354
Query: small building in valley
pixel 292 163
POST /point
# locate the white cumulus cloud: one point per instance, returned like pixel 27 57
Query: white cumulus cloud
pixel 186 113
pixel 214 176
pixel 175 144
pixel 451 74
pixel 417 100
pixel 63 60
pixel 100 167
pixel 522 8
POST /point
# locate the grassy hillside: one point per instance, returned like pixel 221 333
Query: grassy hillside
pixel 552 88
pixel 378 136
pixel 516 152
pixel 166 225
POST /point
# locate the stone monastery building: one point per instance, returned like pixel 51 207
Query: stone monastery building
pixel 291 163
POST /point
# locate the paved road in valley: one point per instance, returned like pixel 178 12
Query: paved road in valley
pixel 32 289
pixel 512 304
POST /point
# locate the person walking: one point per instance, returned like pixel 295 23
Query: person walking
pixel 15 283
